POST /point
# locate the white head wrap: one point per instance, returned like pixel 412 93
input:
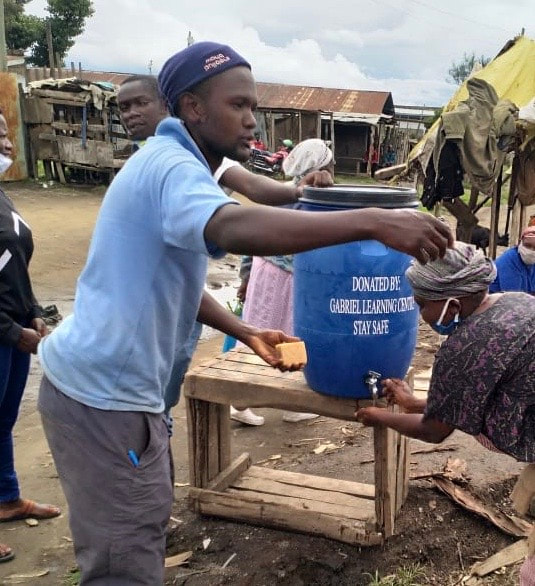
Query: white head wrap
pixel 462 271
pixel 310 155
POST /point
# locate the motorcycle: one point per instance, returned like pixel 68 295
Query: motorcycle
pixel 262 161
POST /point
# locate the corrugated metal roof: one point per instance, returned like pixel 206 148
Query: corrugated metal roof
pixel 110 77
pixel 298 97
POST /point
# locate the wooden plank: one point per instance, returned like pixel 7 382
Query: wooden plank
pixel 388 172
pixel 360 514
pixel 316 497
pixel 245 358
pixel 208 440
pixel 47 136
pixel 72 151
pixel 263 374
pixel 510 555
pixel 251 390
pixel 106 124
pixel 244 368
pixel 66 102
pixel 461 211
pixel 192 446
pixel 205 365
pixel 73 127
pixel 320 482
pixel 44 93
pixel 523 220
pixel 406 478
pixel 385 498
pixel 265 371
pixel 37 111
pixel 401 452
pixel 524 490
pixel 391 475
pixel 405 455
pixel 96 153
pixel 224 437
pixel 230 474
pixel 212 441
pixel 61 174
pixel 195 464
pixel 240 356
pixel 284 516
pixel 198 441
pixel 104 152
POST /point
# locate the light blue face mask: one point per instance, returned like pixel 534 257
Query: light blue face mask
pixel 446 329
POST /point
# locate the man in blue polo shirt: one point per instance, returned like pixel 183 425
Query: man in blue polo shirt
pixel 106 366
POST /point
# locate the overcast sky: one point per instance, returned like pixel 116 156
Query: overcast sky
pixel 402 46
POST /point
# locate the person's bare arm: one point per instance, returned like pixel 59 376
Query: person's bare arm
pixel 411 425
pixel 268 191
pixel 259 188
pixel 213 314
pixel 264 231
pixel 262 342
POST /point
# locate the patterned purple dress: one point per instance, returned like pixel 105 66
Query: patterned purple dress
pixel 483 379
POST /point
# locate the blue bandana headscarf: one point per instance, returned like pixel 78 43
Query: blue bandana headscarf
pixel 189 67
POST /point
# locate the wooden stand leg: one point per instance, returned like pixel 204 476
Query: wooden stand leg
pixel 404 456
pixel 209 440
pixel 402 471
pixel 385 447
pixel 523 493
pixel 392 455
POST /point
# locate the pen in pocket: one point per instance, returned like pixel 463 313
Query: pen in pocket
pixel 132 456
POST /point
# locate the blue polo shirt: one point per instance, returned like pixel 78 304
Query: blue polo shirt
pixel 138 296
pixel 513 273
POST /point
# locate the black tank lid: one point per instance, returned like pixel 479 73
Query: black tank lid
pixel 361 196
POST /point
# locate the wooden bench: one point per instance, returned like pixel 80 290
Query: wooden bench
pixel 351 512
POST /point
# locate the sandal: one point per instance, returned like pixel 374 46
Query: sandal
pixel 27 509
pixel 6 553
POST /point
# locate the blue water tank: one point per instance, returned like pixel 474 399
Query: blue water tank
pixel 353 306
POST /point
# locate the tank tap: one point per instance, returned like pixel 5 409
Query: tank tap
pixel 370 380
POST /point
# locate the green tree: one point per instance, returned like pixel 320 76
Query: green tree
pixel 67 19
pixel 26 32
pixel 21 29
pixel 460 71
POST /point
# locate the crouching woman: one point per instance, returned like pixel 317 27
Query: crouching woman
pixel 482 377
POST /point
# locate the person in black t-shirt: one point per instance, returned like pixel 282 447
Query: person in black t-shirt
pixel 21 329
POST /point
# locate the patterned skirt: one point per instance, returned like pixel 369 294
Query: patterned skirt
pixel 269 299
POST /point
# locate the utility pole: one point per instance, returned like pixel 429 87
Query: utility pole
pixel 3 49
pixel 50 48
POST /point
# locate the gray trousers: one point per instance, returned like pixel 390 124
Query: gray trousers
pixel 117 512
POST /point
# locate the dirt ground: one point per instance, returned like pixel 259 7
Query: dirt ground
pixel 432 531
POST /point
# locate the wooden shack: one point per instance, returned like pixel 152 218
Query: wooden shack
pixel 74 129
pixel 351 120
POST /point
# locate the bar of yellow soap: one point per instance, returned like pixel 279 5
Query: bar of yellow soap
pixel 292 352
